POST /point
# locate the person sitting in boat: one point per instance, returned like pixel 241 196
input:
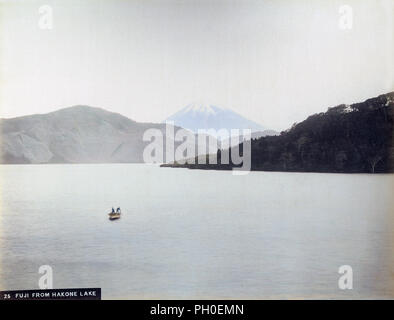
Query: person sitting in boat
pixel 118 210
pixel 113 210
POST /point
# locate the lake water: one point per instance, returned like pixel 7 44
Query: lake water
pixel 196 234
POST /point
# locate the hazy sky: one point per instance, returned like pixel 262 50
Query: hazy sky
pixel 275 62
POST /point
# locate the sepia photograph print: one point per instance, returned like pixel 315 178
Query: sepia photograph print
pixel 173 150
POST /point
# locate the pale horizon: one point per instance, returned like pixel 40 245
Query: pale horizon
pixel 273 62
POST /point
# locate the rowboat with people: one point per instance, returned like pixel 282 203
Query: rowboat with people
pixel 114 215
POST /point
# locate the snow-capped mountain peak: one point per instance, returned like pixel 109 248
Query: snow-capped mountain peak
pixel 205 116
pixel 202 108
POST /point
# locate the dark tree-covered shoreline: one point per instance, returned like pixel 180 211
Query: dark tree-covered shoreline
pixel 355 138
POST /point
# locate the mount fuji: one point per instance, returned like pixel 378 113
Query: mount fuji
pixel 207 116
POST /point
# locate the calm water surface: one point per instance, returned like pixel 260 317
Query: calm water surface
pixel 196 234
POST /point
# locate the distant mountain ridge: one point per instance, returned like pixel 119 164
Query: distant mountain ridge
pixel 207 116
pixel 78 134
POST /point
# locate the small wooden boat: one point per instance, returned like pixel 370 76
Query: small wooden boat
pixel 114 215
